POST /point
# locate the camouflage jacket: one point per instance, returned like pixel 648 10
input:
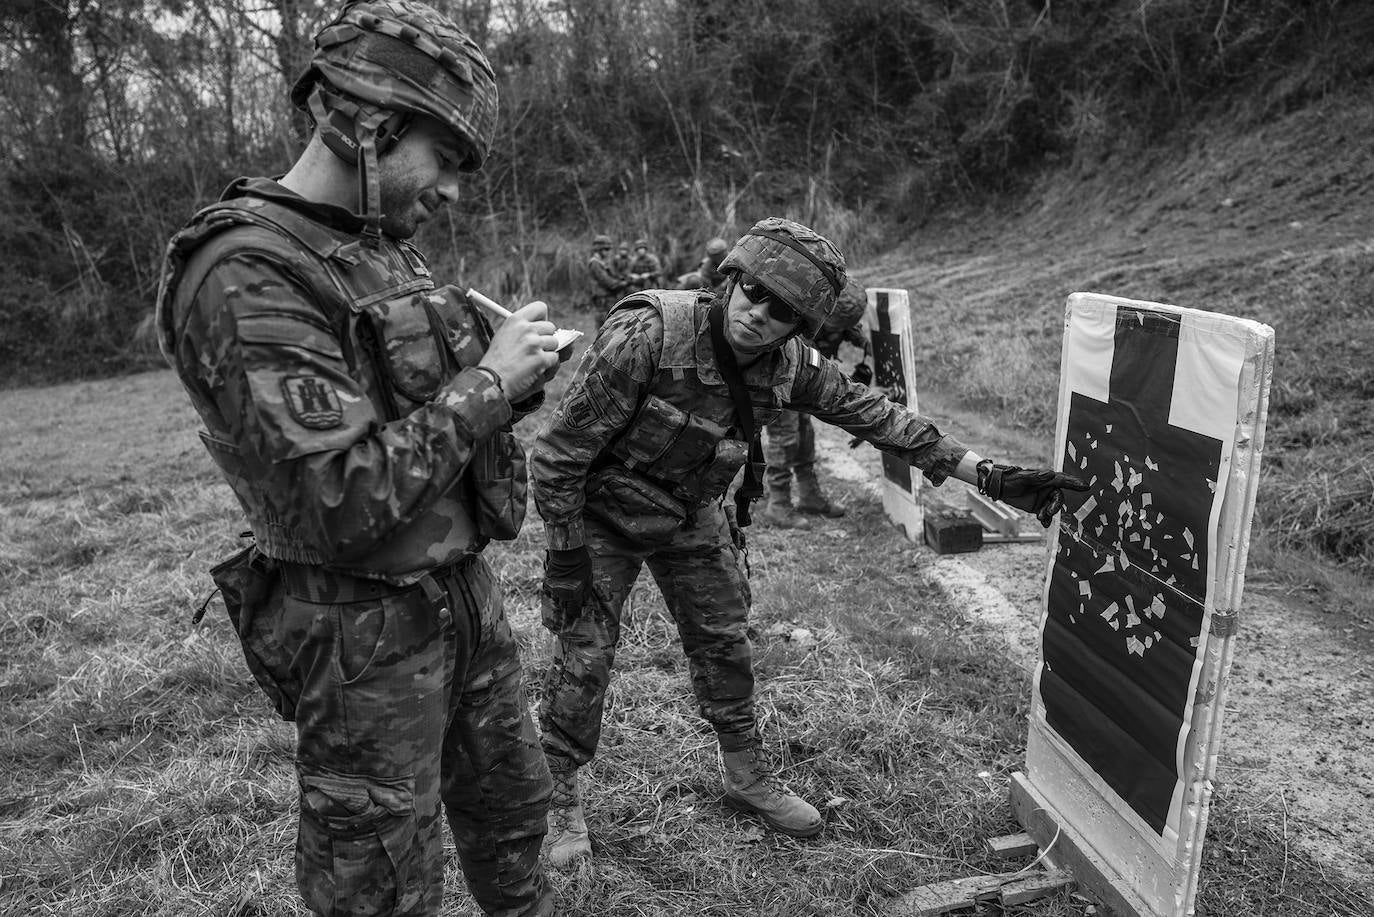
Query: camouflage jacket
pixel 710 274
pixel 602 278
pixel 648 397
pixel 330 380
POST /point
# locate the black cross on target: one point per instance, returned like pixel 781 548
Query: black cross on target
pixel 1129 581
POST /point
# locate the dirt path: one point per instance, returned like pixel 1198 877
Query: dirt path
pixel 1299 720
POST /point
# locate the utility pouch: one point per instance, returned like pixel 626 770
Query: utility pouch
pixel 636 509
pixel 497 479
pixel 667 442
pixel 251 585
pixel 725 463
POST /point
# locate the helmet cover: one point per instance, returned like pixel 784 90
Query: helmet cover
pixel 404 56
pixel 796 263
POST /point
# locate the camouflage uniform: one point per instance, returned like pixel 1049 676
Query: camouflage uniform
pixel 605 286
pixel 790 440
pixel 711 275
pixel 634 464
pixel 372 468
pixel 646 271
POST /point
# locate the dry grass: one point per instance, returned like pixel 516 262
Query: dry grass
pixel 142 773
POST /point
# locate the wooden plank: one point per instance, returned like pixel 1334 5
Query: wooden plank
pixel 1068 851
pixel 951 895
pixel 1036 885
pixel 1012 845
pixel 994 516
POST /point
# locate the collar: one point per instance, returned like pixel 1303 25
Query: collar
pixel 335 217
pixel 771 370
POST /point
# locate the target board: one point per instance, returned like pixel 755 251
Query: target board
pixel 888 317
pixel 1162 410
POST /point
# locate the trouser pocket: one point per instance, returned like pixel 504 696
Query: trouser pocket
pixel 357 852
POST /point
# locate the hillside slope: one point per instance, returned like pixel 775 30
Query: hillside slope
pixel 1270 221
pixel 1273 222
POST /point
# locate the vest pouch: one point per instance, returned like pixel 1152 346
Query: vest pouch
pixel 251 584
pixel 413 357
pixel 728 459
pixel 497 481
pixel 634 508
pixel 667 442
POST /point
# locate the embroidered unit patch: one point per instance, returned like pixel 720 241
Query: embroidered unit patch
pixel 312 401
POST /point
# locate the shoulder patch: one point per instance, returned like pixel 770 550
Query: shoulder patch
pixel 589 405
pixel 312 401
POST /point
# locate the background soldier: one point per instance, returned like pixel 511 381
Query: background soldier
pixel 709 268
pixel 621 262
pixel 605 284
pixel 362 417
pixel 790 443
pixel 632 468
pixel 646 271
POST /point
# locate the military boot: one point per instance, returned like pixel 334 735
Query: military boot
pixel 567 838
pixel 811 500
pixel 779 511
pixel 751 785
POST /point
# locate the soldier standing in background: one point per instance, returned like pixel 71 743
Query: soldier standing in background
pixel 709 268
pixel 646 271
pixel 605 284
pixel 790 443
pixel 621 262
pixel 632 469
pixel 363 419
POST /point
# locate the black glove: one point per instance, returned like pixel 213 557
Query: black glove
pixel 1037 491
pixel 567 587
pixel 862 374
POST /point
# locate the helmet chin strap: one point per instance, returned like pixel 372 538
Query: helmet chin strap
pixel 359 135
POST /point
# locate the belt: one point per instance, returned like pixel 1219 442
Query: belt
pixel 311 583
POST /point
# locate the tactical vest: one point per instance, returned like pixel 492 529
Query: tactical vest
pixel 685 436
pixel 401 341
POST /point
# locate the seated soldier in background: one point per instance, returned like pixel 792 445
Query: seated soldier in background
pixel 620 263
pixel 646 271
pixel 632 469
pixel 790 443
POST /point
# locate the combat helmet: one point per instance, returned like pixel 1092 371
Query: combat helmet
pixel 717 247
pixel 796 263
pixel 380 64
pixel 601 243
pixel 849 311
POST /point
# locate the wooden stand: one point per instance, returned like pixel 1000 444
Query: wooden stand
pixel 1007 888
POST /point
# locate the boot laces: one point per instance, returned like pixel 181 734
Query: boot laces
pixel 766 777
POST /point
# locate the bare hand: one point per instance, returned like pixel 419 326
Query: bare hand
pixel 523 352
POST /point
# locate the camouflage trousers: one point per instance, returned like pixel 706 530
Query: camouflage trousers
pixel 789 447
pixel 701 575
pixel 407 700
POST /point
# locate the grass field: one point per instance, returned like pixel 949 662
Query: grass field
pixel 142 773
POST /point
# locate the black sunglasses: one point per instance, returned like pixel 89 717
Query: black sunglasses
pixel 758 294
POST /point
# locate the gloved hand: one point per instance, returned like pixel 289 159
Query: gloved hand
pixel 862 374
pixel 1037 491
pixel 567 586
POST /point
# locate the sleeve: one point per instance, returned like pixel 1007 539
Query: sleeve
pixel 319 452
pixel 599 403
pixel 822 390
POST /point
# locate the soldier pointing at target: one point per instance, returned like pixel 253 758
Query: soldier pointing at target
pixel 633 467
